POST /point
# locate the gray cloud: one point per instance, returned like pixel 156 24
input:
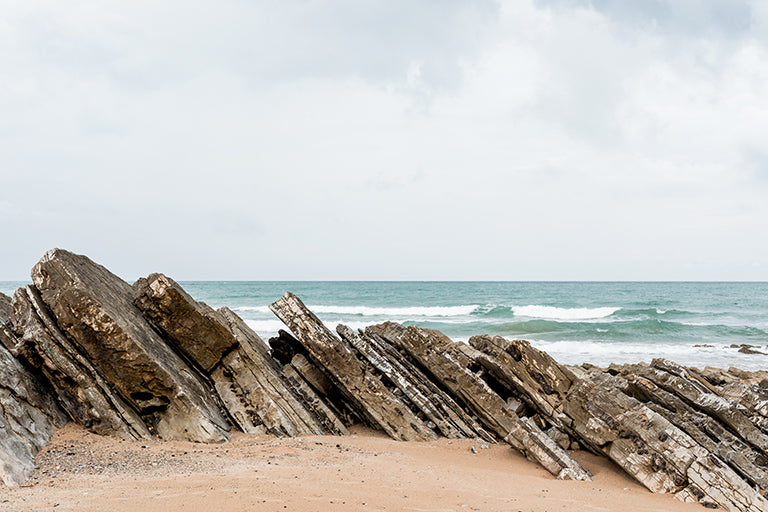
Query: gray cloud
pixel 690 17
pixel 396 140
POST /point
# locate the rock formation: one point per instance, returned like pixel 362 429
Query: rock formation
pixel 247 380
pixel 28 411
pixel 148 360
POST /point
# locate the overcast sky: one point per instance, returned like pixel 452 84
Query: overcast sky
pixel 398 139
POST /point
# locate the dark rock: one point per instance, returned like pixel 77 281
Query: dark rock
pixel 95 310
pixel 221 344
pixel 284 347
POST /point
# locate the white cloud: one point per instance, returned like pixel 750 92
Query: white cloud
pixel 354 140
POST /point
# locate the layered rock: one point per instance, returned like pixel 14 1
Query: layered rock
pixel 94 309
pixel 657 422
pixel 224 347
pixel 86 396
pixel 448 418
pixel 357 380
pixel 652 449
pixel 5 308
pixel 6 338
pixel 28 415
pixel 448 363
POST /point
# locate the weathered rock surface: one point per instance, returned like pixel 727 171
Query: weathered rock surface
pixel 94 309
pixel 651 448
pixel 7 339
pixel 428 400
pixel 262 392
pixel 28 415
pixel 86 396
pixel 194 327
pixel 150 360
pixel 365 392
pixel 5 308
pixel 448 364
pixel 221 344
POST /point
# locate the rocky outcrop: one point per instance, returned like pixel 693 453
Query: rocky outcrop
pixel 356 379
pixel 658 422
pixel 450 365
pixel 86 396
pixel 5 308
pixel 7 339
pixel 148 360
pixel 28 415
pixel 247 380
pixel 94 309
pixel 193 327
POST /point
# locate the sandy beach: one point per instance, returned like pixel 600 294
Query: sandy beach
pixel 80 471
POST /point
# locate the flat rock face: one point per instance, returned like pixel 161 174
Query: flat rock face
pixel 95 309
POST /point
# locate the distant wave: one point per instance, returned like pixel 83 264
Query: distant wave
pixel 270 327
pixel 402 311
pixel 378 311
pixel 555 313
pixel 258 309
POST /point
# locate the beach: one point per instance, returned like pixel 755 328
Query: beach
pixel 140 397
pixel 83 472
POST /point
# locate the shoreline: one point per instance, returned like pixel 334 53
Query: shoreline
pixel 363 471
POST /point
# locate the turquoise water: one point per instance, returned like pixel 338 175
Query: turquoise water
pixel 576 322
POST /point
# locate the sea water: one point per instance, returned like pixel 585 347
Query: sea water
pixel 697 324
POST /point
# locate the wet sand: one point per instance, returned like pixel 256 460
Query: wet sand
pixel 367 471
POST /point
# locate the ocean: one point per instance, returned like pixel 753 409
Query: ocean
pixel 697 323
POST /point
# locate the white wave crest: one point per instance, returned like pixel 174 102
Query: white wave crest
pixel 404 311
pixel 266 326
pixel 441 311
pixel 555 313
pixel 271 327
pixel 257 309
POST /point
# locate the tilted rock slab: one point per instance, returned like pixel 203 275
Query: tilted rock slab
pixel 193 327
pixel 7 339
pixel 223 346
pixel 368 395
pixel 707 431
pixel 447 363
pixel 5 308
pixel 28 415
pixel 86 396
pixel 676 379
pixel 534 374
pixel 439 408
pixel 652 449
pixel 249 374
pixel 95 310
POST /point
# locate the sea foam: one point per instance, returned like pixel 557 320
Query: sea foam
pixel 555 313
pixel 397 311
pixel 442 311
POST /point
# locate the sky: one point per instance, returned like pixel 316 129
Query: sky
pixel 389 140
